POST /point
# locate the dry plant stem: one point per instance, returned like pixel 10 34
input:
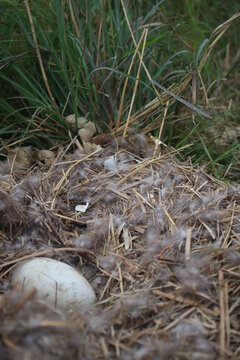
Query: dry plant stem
pixel 204 88
pixel 194 81
pixel 12 144
pixel 209 50
pixel 45 252
pixel 227 318
pixel 60 156
pixel 13 162
pixel 120 279
pixel 106 287
pixel 52 227
pixel 66 102
pixel 225 241
pixel 61 181
pixel 136 82
pixel 152 107
pixel 135 44
pixel 98 41
pixel 9 343
pixel 104 347
pixel 188 244
pixel 222 335
pixel 26 298
pixel 54 324
pixel 39 54
pixel 161 127
pixel 183 300
pixel 174 31
pixel 67 218
pixel 221 29
pixel 74 20
pixel 176 321
pixel 125 84
pixel 147 162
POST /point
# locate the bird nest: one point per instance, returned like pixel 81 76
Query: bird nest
pixel 157 239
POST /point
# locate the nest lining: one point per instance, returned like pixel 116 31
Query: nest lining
pixel 159 242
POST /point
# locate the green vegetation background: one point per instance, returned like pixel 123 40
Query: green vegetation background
pixel 86 48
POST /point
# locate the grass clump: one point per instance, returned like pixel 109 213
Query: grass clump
pixel 116 61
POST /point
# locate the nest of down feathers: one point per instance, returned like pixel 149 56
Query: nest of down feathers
pixel 159 242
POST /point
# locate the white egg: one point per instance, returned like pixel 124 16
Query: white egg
pixel 56 283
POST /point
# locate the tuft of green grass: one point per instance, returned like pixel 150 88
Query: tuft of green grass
pixel 85 53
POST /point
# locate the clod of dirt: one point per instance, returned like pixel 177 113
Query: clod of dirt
pixel 74 122
pixel 46 156
pixel 22 157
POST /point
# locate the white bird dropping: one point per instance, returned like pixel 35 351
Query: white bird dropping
pixel 57 283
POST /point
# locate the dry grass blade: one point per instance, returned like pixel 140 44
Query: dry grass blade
pixel 145 32
pixel 135 44
pixel 175 322
pixel 215 37
pixel 39 54
pixel 188 244
pixel 126 82
pixel 184 102
pixel 158 142
pixel 76 28
pixel 152 108
pixel 222 334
